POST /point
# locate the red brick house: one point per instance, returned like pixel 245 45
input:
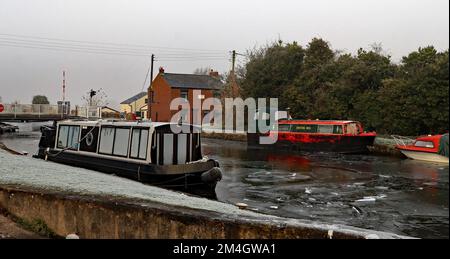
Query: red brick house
pixel 168 86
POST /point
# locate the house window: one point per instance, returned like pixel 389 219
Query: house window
pixel 152 97
pixel 184 94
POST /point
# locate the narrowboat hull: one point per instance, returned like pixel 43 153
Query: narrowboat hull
pixel 198 178
pixel 196 175
pixel 425 156
pixel 318 143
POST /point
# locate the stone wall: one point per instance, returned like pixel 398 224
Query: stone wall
pixel 100 217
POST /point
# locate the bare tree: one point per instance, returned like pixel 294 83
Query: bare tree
pixel 95 98
pixel 202 70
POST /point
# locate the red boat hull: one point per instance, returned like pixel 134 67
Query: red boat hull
pixel 318 142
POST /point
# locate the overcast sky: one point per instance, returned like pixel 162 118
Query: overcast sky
pixel 188 34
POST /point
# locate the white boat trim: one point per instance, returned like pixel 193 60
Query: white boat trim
pixel 425 156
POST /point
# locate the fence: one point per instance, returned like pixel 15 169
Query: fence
pixel 42 111
pixel 88 111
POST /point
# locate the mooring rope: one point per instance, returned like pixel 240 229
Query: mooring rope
pixel 74 144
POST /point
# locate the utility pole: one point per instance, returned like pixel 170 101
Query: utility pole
pixel 233 61
pixel 234 90
pixel 149 91
pixel 151 70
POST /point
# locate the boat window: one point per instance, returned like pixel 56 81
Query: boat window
pixel 181 148
pixel 352 128
pixel 325 129
pixel 304 128
pixel 168 149
pixel 143 144
pixel 121 141
pixel 106 140
pixel 337 129
pixel 134 150
pixel 74 132
pixel 284 127
pixel 139 141
pixel 427 144
pixel 68 136
pixel 62 136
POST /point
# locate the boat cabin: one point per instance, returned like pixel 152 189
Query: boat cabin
pixel 139 142
pixel 320 127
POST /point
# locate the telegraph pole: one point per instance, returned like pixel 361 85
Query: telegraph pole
pixel 233 61
pixel 233 78
pixel 151 70
pixel 149 96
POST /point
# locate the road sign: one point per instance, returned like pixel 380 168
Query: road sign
pixel 2 108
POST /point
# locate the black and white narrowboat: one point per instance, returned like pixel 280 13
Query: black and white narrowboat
pixel 144 151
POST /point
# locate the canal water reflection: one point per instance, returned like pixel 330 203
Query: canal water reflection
pixel 375 192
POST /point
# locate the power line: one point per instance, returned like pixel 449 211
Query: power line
pixel 191 59
pixel 146 76
pixel 109 52
pixel 110 43
pixel 71 50
pixel 99 48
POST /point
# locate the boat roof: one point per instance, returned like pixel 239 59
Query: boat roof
pixel 316 122
pixel 123 123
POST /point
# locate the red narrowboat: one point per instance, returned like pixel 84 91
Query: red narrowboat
pixel 319 136
pixel 426 148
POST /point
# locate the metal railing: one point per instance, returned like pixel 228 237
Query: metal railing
pixel 402 141
pixel 88 111
pixel 31 109
pixel 49 110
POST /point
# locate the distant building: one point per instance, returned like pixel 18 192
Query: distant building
pixel 168 86
pixel 136 105
pixel 108 112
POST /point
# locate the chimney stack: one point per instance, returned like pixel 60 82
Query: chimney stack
pixel 161 70
pixel 214 73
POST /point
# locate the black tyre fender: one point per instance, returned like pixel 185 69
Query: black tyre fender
pixel 213 175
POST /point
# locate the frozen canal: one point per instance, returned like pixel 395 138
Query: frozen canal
pixel 381 193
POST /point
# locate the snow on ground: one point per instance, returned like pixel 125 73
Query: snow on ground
pixel 37 173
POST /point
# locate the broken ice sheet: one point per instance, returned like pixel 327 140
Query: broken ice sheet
pixel 367 199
